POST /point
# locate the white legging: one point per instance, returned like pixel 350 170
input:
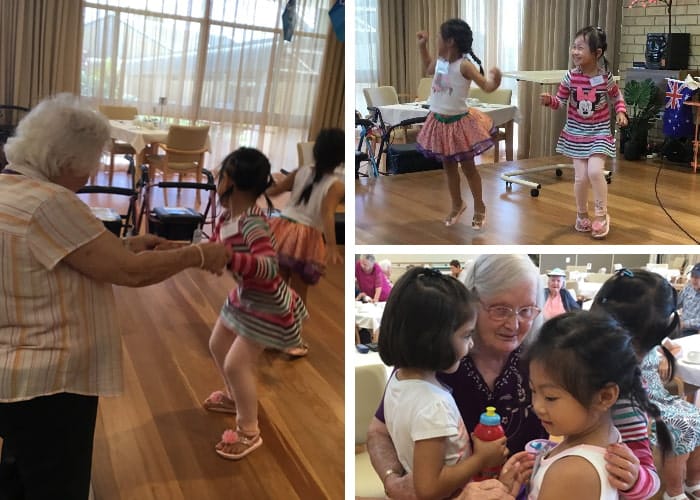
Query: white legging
pixel 590 171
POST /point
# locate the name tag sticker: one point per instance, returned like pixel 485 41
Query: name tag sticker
pixel 597 80
pixel 442 66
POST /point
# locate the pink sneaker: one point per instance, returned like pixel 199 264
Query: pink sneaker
pixel 583 225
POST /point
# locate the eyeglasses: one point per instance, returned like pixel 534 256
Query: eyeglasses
pixel 503 313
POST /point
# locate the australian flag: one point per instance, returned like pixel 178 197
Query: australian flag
pixel 678 119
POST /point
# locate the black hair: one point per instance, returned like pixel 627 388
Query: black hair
pixel 424 309
pixel 597 39
pixel 585 351
pixel 461 33
pixel 328 154
pixel 645 303
pixel 455 263
pixel 249 169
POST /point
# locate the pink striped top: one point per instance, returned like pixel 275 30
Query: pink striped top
pixel 58 329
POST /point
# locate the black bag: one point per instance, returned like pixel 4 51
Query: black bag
pixel 174 223
pixel 405 158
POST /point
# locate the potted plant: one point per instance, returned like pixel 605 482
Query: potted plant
pixel 642 100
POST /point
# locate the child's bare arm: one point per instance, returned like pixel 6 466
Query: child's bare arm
pixel 428 63
pixel 330 203
pixel 285 184
pixel 568 471
pixel 471 72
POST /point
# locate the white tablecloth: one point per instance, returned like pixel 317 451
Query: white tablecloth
pixel 395 113
pixel 369 315
pixel 689 372
pixel 135 135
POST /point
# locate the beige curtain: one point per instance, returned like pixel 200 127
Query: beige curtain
pixel 40 44
pixel 546 48
pixel 399 21
pixel 330 100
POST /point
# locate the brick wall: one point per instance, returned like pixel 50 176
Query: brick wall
pixel 638 21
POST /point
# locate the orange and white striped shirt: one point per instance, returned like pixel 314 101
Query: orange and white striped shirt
pixel 58 328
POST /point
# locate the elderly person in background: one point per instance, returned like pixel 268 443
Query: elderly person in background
pixel 385 266
pixel 60 347
pixel 557 299
pixel 689 302
pixel 372 283
pixel 457 271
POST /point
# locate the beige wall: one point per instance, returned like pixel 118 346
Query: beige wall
pixel 638 21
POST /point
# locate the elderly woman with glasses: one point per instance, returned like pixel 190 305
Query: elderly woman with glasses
pixel 508 288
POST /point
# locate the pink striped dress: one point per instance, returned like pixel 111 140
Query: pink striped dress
pixel 587 129
pixel 262 307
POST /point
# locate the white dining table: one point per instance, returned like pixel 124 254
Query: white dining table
pixel 686 370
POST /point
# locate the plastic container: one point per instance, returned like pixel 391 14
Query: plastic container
pixel 489 429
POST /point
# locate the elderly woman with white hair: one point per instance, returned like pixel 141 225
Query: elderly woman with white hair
pixel 60 348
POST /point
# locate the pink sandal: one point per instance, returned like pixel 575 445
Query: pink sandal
pixel 219 402
pixel 600 229
pixel 239 444
pixel 452 218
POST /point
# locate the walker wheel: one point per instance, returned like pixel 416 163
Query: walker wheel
pixel 509 185
pixel 558 172
pixel 534 193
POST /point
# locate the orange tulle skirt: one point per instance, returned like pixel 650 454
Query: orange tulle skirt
pixel 459 140
pixel 300 248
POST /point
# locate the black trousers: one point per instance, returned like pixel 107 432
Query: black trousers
pixel 47 447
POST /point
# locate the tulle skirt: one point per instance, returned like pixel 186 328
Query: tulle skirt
pixel 458 140
pixel 300 248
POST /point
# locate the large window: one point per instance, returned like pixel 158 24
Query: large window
pixel 221 62
pixel 366 52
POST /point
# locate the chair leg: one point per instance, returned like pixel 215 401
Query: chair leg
pixel 111 168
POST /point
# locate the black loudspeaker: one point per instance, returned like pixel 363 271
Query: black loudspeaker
pixel 405 158
pixel 667 51
pixel 678 150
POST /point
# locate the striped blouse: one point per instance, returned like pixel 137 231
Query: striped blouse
pixel 58 328
pixel 587 129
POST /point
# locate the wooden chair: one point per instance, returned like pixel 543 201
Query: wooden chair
pixel 385 96
pixel 184 152
pixel 369 388
pixel 423 91
pixel 498 96
pixel 119 147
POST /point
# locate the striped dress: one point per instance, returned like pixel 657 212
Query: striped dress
pixel 262 307
pixel 587 129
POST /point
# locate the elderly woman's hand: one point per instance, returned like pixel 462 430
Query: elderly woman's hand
pixel 144 242
pixel 491 489
pixel 622 466
pixel 215 257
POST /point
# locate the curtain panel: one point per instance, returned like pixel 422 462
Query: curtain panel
pixel 399 21
pixel 40 44
pixel 548 48
pixel 330 99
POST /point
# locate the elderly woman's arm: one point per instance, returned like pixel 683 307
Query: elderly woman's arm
pixel 386 462
pixel 106 259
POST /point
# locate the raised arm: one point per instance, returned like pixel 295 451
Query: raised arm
pixel 428 64
pixel 470 72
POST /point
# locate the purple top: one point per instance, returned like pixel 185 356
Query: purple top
pixel 368 283
pixel 511 397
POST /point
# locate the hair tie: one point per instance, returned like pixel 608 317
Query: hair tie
pixel 429 272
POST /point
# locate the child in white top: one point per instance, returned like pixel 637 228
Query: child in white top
pixel 427 326
pixel 580 363
pixel 453 132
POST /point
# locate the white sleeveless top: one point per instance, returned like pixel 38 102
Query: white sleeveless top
pixel 308 213
pixel 594 454
pixel 450 90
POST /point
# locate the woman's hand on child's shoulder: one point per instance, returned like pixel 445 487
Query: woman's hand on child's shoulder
pixel 422 37
pixel 491 453
pixel 545 99
pixel 622 466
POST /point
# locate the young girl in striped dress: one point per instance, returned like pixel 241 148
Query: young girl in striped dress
pixel 586 137
pixel 261 311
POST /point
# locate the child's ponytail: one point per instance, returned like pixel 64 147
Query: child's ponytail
pixel 476 60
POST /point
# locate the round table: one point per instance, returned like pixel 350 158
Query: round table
pixel 689 372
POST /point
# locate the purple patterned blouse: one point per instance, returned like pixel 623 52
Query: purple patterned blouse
pixel 511 397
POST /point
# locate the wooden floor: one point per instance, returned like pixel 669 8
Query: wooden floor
pixel 409 208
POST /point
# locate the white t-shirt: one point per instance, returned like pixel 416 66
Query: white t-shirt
pixel 415 410
pixel 594 454
pixel 308 213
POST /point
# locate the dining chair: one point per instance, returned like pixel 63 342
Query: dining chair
pixel 370 381
pixel 184 151
pixel 498 96
pixel 305 153
pixel 386 96
pixel 423 91
pixel 113 112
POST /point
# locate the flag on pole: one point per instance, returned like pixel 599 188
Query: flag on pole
pixel 678 118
